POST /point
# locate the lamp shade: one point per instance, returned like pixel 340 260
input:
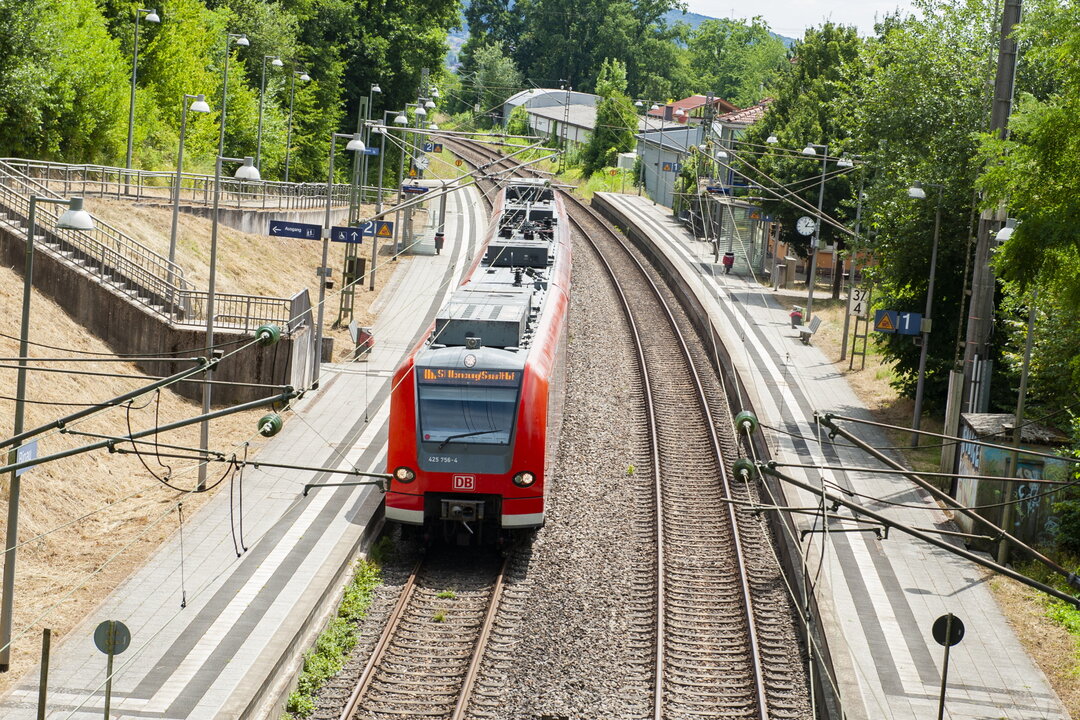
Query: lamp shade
pixel 375 88
pixel 401 119
pixel 916 191
pixel 435 92
pixel 430 104
pixel 721 155
pixel 199 104
pixel 809 150
pixel 1006 232
pixel 152 16
pixel 844 162
pixel 276 62
pixel 655 107
pixel 75 218
pixel 772 140
pixel 421 112
pixel 242 41
pixel 305 77
pixel 247 171
pixel 355 144
pixel 433 126
pixel 638 103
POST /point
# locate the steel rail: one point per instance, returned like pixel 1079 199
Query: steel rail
pixel 754 652
pixel 384 642
pixel 462 706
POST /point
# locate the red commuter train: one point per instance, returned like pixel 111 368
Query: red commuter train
pixel 475 408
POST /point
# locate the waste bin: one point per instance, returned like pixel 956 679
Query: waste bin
pixel 796 316
pixel 779 276
pixel 439 239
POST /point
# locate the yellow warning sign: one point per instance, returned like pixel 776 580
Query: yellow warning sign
pixel 884 323
pixel 614 172
pixel 412 172
pixel 385 231
pixel 458 162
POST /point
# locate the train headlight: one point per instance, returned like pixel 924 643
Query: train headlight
pixel 404 474
pixel 524 479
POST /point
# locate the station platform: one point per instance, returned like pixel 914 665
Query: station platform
pixel 233 651
pixel 877 598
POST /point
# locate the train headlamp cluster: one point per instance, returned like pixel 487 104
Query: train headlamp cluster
pixel 524 479
pixel 404 474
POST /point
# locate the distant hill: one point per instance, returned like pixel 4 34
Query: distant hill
pixel 693 20
pixel 458 36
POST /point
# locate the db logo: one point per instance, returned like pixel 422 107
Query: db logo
pixel 464 482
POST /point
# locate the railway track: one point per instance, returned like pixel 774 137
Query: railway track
pixel 425 663
pixel 712 633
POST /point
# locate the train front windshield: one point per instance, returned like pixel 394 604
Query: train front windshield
pixel 472 414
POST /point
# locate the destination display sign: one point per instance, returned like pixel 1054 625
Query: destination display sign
pixel 471 376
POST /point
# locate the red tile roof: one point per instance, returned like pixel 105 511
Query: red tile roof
pixel 693 103
pixel 746 116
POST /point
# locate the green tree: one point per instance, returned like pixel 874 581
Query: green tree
pixel 615 120
pixel 736 59
pixel 496 78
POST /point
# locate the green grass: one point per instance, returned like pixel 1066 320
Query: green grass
pixel 1064 614
pixel 328 656
pixel 439 616
pixel 447 595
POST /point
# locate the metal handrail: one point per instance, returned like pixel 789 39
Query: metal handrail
pixel 195 188
pixel 132 270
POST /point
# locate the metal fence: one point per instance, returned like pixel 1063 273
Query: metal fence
pixel 195 189
pixel 131 269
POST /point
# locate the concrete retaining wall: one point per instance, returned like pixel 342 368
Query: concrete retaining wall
pixel 130 329
pixel 255 221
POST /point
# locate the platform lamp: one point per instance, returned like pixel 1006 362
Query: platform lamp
pixel 275 62
pixel 815 242
pixel 199 105
pixel 367 137
pixel 356 144
pixel 303 77
pixel 917 192
pixel 151 17
pixel 246 171
pixel 74 218
pixel 241 41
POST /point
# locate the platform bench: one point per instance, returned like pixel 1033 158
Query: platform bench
pixel 807 331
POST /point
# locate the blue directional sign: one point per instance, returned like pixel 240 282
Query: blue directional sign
pixel 286 228
pixel 378 228
pixel 897 322
pixel 346 234
pixel 24 453
pixel 432 147
pixel 371 150
pixel 414 189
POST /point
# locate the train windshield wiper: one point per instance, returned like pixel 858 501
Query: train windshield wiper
pixel 464 435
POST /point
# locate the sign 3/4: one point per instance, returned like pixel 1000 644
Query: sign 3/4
pixel 376 228
pixel 858 303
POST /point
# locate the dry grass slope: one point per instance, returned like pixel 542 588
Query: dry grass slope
pixel 89 520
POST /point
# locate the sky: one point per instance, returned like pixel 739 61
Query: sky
pixel 792 17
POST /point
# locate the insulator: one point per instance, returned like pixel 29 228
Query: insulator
pixel 744 468
pixel 746 422
pixel 270 425
pixel 267 335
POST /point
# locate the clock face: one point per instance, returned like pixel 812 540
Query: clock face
pixel 805 225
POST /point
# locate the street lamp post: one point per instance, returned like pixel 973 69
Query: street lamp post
pixel 406 148
pixel 815 241
pixel 916 191
pixel 356 145
pixel 276 62
pixel 151 16
pixel 247 171
pixel 367 138
pixel 199 105
pixel 303 77
pixel 74 218
pixel 241 41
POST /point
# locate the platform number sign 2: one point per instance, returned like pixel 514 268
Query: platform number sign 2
pixel 859 302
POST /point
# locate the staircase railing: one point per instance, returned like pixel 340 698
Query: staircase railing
pixel 195 188
pixel 133 270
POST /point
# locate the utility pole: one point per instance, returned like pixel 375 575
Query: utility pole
pixel 983 283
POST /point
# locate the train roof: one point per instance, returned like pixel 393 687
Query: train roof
pixel 500 304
